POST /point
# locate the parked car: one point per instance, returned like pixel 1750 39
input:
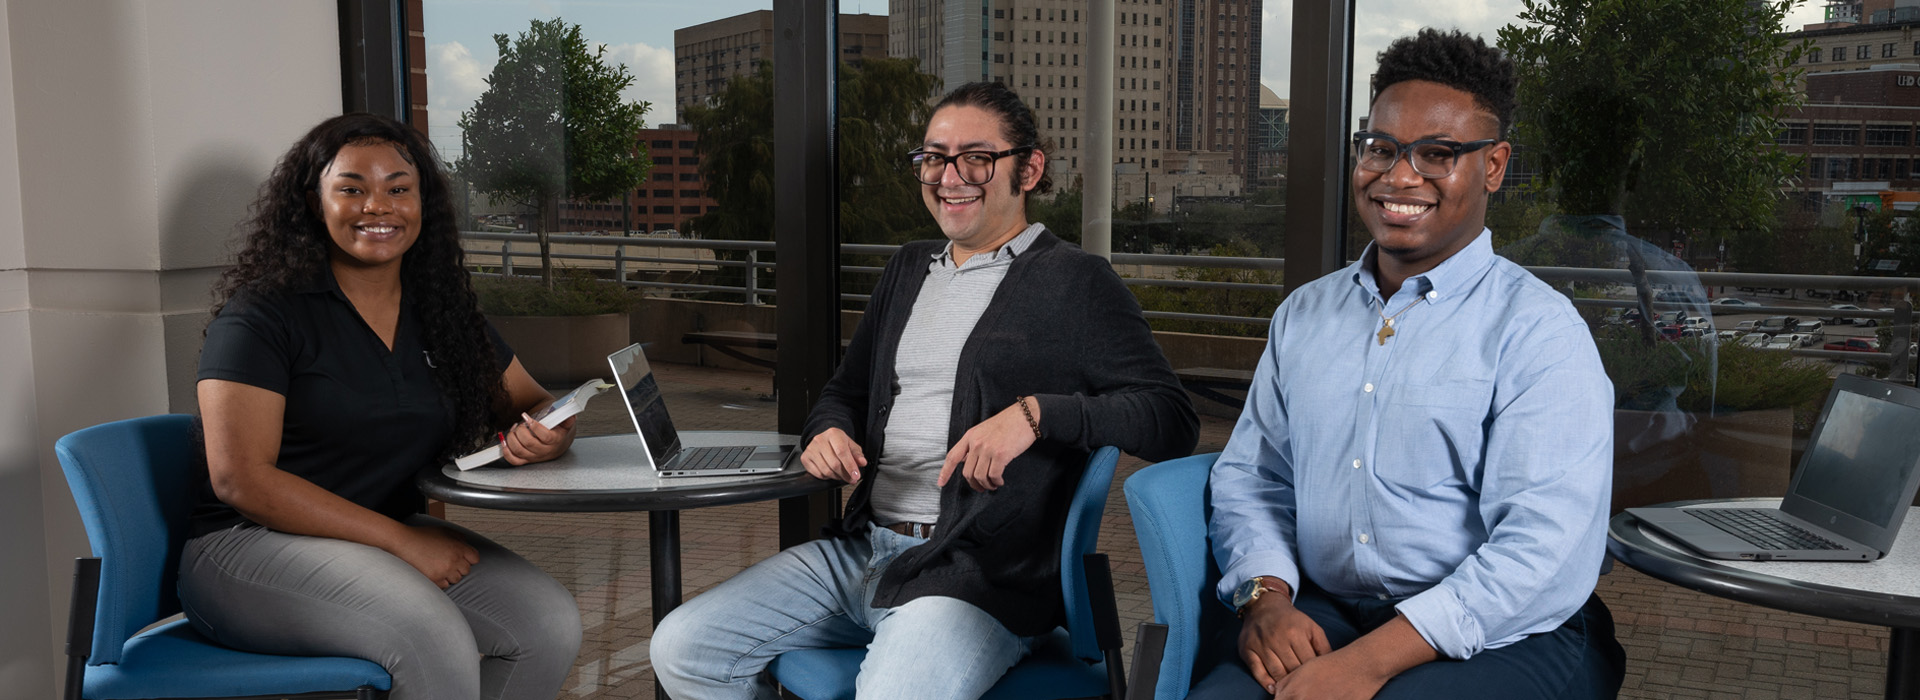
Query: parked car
pixel 1699 322
pixel 1799 340
pixel 1811 327
pixel 1745 326
pixel 1776 324
pixel 1853 345
pixel 1870 322
pixel 1837 318
pixel 1728 336
pixel 1755 340
pixel 1780 342
pixel 1727 305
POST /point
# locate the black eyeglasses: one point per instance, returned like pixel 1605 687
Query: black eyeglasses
pixel 1431 158
pixel 974 167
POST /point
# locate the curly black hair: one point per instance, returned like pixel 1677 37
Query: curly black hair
pixel 1016 123
pixel 285 248
pixel 1456 60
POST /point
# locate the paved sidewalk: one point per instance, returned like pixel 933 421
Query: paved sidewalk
pixel 1680 644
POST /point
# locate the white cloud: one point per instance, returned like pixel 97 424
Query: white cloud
pixel 652 70
pixel 455 79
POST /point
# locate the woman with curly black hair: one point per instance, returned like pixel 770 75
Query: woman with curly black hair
pixel 347 352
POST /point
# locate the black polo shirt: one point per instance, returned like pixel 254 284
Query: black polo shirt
pixel 360 420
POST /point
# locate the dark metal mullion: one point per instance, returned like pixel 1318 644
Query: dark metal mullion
pixel 1317 154
pixel 373 65
pixel 806 237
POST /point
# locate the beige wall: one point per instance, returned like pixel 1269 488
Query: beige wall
pixel 132 136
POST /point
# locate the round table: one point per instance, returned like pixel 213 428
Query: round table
pixel 607 474
pixel 1884 592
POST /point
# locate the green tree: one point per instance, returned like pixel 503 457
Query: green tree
pixel 552 125
pixel 735 130
pixel 882 114
pixel 1656 108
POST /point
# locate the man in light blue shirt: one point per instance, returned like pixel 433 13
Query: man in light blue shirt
pixel 1414 501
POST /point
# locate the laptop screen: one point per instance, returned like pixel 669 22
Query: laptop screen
pixel 1862 457
pixel 642 396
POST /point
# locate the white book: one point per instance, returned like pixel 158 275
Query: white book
pixel 566 407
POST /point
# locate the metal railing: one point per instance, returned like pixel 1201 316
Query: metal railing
pixel 758 257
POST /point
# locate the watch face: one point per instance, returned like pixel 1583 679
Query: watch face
pixel 1244 594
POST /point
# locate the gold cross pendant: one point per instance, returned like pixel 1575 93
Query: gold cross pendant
pixel 1386 331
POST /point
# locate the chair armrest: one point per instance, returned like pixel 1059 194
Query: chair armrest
pixel 80 616
pixel 1149 647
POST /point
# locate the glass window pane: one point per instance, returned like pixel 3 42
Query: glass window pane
pixel 690 262
pixel 1720 326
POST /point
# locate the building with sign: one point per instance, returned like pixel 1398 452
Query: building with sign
pixel 1856 133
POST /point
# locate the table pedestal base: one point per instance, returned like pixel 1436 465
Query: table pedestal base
pixel 1903 664
pixel 663 547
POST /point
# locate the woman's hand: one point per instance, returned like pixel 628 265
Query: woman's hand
pixel 529 441
pixel 437 552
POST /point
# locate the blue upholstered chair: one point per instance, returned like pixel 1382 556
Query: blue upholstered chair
pixel 134 481
pixel 1168 503
pixel 1080 661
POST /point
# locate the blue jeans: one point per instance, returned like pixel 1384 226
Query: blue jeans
pixel 816 595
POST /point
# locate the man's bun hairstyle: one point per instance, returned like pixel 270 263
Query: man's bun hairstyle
pixel 1456 60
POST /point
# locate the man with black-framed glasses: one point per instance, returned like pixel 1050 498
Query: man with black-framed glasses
pixel 986 369
pixel 1414 502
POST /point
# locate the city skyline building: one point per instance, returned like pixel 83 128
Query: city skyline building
pixel 1187 81
pixel 707 55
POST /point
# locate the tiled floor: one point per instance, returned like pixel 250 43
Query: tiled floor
pixel 1680 644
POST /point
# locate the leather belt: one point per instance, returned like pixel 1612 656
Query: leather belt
pixel 912 529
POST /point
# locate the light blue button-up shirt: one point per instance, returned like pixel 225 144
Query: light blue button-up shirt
pixel 1463 468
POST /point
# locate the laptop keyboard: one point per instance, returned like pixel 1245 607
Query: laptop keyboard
pixel 712 458
pixel 1760 529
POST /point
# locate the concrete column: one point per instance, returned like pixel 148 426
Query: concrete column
pixel 125 166
pixel 1096 203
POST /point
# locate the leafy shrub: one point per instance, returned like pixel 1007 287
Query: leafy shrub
pixel 575 293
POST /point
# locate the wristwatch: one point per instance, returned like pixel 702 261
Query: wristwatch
pixel 1249 591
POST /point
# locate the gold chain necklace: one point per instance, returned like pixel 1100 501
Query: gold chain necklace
pixel 1386 330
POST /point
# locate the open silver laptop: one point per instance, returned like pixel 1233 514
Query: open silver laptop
pixel 1848 498
pixel 664 454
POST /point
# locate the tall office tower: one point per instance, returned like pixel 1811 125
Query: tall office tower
pixel 915 30
pixel 706 55
pixel 1040 48
pixel 950 38
pixel 1217 83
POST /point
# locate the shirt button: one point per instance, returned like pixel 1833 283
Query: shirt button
pixel 1363 538
pixel 1432 296
pixel 1368 388
pixel 1356 464
pixel 1383 596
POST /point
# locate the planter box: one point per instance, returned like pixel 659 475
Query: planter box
pixel 1669 456
pixel 564 350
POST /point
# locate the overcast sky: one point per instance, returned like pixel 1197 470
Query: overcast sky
pixel 639 35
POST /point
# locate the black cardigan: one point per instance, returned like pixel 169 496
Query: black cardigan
pixel 1062 328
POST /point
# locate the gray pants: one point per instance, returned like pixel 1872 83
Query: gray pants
pixel 507 630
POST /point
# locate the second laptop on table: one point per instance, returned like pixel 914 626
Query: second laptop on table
pixel 1848 498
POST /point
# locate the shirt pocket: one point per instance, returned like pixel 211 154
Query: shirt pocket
pixel 1436 433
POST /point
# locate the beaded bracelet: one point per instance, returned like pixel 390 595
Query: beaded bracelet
pixel 1029 412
